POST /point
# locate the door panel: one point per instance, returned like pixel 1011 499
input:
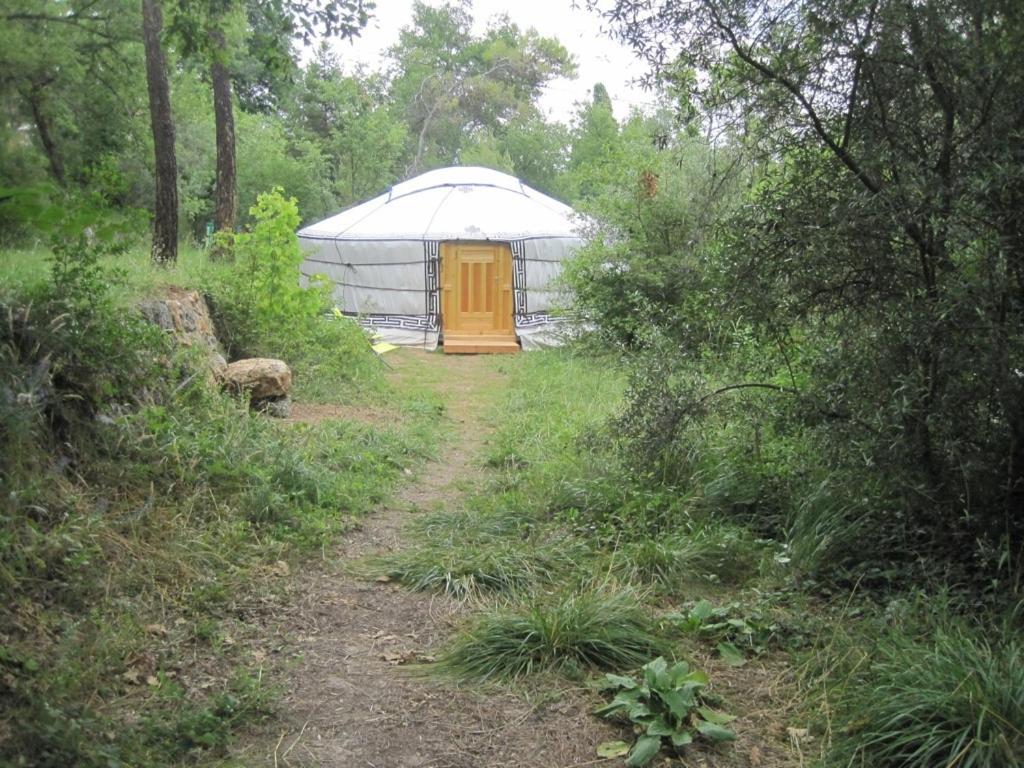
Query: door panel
pixel 477 283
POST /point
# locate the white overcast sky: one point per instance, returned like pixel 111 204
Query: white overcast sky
pixel 599 59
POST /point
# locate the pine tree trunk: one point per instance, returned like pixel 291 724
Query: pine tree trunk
pixel 165 218
pixel 226 192
pixel 45 129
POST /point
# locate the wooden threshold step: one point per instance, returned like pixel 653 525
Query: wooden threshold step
pixel 474 344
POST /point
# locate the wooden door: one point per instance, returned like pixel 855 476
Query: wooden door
pixel 477 288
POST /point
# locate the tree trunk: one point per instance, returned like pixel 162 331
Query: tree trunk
pixel 226 192
pixel 45 129
pixel 165 219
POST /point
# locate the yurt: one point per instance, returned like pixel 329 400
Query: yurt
pixel 466 257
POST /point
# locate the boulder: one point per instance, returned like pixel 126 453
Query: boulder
pixel 262 378
pixel 186 316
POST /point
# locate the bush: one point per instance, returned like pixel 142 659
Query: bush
pixel 67 355
pixel 717 553
pixel 259 296
pixel 261 309
pixel 475 564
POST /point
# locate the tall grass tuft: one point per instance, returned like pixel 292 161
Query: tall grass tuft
pixel 592 628
pixel 724 554
pixel 470 568
pixel 954 700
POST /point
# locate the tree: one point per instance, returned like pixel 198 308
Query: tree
pixel 64 68
pixel 203 29
pixel 165 214
pixel 346 117
pixel 453 85
pixel 595 144
pixel 890 231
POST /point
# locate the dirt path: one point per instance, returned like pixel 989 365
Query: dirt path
pixel 349 699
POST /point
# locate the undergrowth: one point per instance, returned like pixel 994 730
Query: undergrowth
pixel 716 556
pixel 146 519
pixel 475 567
pixel 918 684
pixel 721 554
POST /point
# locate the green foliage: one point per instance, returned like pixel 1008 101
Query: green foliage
pixel 266 268
pixel 133 493
pixel 666 703
pixel 648 264
pixel 737 630
pixel 302 171
pixel 57 79
pixel 67 355
pixel 454 87
pixel 949 697
pixel 262 309
pixel 61 727
pixel 870 273
pixel 567 632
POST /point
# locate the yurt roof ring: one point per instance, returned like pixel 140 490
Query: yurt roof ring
pixel 454 185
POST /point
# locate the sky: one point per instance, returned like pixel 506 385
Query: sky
pixel 599 59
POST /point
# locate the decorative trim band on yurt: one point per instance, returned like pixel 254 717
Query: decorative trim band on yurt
pixel 535 320
pixel 403 322
pixel 518 278
pixel 432 280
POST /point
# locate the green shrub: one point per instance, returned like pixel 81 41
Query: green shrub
pixel 665 702
pixel 261 309
pixel 565 632
pixel 259 295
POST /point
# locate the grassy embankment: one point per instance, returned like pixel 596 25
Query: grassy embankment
pixel 146 518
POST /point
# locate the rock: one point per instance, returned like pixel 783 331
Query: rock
pixel 186 315
pixel 278 407
pixel 218 365
pixel 261 377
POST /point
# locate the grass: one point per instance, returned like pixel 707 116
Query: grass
pixel 954 697
pixel 719 554
pixel 172 533
pixel 476 565
pixel 145 520
pixel 568 632
pixel 140 277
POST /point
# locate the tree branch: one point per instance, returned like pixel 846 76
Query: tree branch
pixel 855 85
pixel 794 90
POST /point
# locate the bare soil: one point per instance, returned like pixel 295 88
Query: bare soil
pixel 347 648
pixel 314 413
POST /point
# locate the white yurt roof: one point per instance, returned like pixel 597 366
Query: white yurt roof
pixel 461 203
